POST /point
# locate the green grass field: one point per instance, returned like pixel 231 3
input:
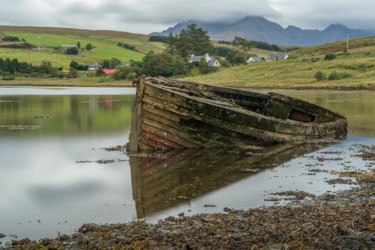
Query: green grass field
pixel 104 42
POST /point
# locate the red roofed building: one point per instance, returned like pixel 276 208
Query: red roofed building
pixel 108 71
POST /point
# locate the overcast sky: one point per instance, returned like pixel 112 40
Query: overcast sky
pixel 146 16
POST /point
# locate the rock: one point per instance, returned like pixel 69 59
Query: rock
pixel 227 210
pixel 197 223
pixel 208 218
pixel 90 228
pixel 352 244
pixel 275 247
pixel 367 237
pixel 292 221
pixel 181 214
pixel 208 205
pixel 239 212
pixel 2 235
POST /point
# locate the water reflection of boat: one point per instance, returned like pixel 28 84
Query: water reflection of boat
pixel 178 114
pixel 161 181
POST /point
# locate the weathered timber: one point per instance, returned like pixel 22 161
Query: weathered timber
pixel 177 114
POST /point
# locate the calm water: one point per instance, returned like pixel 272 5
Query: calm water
pixel 52 141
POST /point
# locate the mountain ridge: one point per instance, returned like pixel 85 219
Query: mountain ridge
pixel 258 28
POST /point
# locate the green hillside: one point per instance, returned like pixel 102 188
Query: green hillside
pixel 355 68
pixel 104 43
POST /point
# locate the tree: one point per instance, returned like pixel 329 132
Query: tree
pixel 89 47
pixel 99 72
pixel 78 44
pixel 73 73
pixel 319 76
pixel 106 64
pixel 121 73
pixel 171 41
pixel 329 57
pixel 194 40
pixel 74 64
pixel 162 65
pixel 45 67
pixel 114 62
pixel 239 59
pixel 243 44
pixel 72 51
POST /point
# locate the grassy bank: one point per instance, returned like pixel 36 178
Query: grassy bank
pixel 359 72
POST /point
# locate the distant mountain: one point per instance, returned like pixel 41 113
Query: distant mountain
pixel 258 28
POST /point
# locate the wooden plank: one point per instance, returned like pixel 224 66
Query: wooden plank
pixel 262 135
pixel 230 114
pixel 165 140
pixel 176 133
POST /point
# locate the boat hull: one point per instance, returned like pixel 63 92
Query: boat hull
pixel 174 114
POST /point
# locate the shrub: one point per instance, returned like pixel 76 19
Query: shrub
pixel 99 72
pixel 121 73
pixel 8 78
pixel 126 46
pixel 204 68
pixel 73 73
pixel 89 47
pixel 319 76
pixel 333 76
pixel 337 76
pixel 11 39
pixel 72 51
pixel 329 57
pixel 162 39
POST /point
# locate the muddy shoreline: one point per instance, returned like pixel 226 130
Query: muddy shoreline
pixel 342 220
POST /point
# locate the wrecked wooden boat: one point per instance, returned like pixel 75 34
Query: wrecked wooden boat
pixel 172 114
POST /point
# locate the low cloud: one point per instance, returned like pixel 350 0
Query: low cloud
pixel 145 16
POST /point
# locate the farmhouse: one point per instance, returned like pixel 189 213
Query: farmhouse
pixel 209 59
pixel 93 66
pixel 280 56
pixel 253 59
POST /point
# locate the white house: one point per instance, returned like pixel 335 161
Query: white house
pixel 280 56
pixel 209 59
pixel 253 59
pixel 65 47
pixel 93 66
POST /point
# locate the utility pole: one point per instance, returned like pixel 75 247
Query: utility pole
pixel 39 42
pixel 347 42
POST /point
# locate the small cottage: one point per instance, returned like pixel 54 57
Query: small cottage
pixel 280 56
pixel 253 59
pixel 209 59
pixel 93 67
